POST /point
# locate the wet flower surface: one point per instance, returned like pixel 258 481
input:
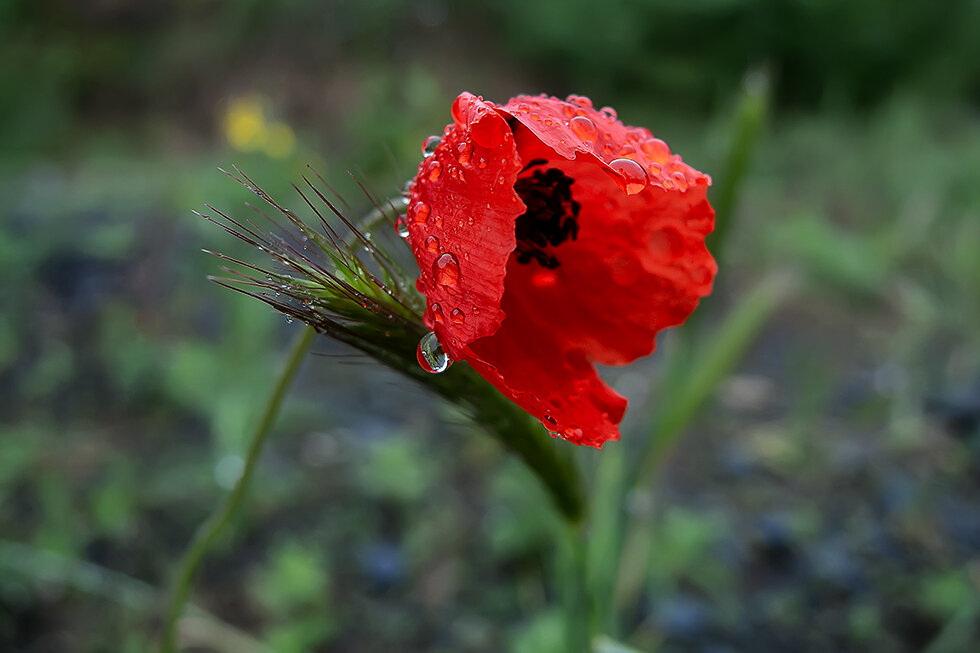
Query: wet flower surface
pixel 551 237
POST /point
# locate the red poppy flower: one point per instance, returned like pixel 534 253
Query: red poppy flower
pixel 551 237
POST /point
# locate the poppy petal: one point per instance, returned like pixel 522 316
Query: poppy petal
pixel 638 264
pixel 461 224
pixel 574 127
pixel 589 240
pixel 556 385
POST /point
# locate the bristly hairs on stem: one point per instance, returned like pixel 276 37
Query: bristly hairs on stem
pixel 353 290
pixel 348 288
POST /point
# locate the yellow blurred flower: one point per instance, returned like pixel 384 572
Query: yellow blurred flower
pixel 279 140
pixel 247 128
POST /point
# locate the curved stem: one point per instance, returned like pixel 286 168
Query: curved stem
pixel 209 531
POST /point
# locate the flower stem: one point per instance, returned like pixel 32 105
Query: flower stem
pixel 519 434
pixel 549 460
pixel 209 531
pixel 578 606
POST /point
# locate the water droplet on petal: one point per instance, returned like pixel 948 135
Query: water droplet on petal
pixel 457 316
pixel 421 213
pixel 435 169
pixel 679 180
pixel 437 314
pixel 490 132
pixel 432 244
pixel 609 113
pixel 445 269
pixel 464 151
pixel 656 149
pixel 460 104
pixel 401 226
pixel 633 174
pixel 431 356
pixel 430 145
pixel 550 423
pixel 584 128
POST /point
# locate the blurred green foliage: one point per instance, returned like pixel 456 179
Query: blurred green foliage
pixel 823 501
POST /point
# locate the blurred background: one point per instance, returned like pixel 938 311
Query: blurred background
pixel 822 498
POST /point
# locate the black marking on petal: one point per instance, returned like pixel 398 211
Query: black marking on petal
pixel 551 217
pixel 533 163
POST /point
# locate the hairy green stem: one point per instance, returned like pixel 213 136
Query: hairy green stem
pixel 510 425
pixel 209 531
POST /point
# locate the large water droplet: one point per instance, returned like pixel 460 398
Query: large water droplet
pixel 401 226
pixel 633 174
pixel 445 269
pixel 431 356
pixel 432 244
pixel 430 145
pixel 457 316
pixel 584 128
pixel 656 149
pixel 421 213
